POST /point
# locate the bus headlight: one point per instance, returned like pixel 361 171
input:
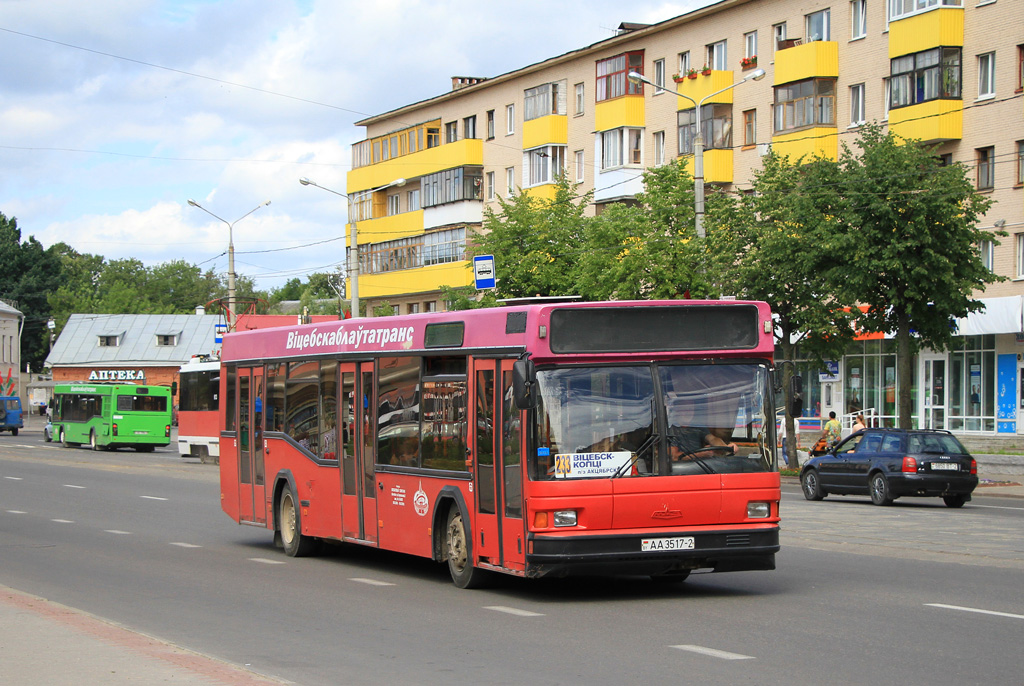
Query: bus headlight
pixel 759 510
pixel 565 518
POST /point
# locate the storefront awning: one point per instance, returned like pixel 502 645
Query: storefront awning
pixel 1000 315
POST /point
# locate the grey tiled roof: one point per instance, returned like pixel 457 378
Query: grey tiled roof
pixel 79 342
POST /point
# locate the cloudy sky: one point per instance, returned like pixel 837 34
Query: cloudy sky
pixel 113 113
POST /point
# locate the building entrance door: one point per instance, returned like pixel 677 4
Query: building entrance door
pixel 933 391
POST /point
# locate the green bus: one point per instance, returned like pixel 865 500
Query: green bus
pixel 110 416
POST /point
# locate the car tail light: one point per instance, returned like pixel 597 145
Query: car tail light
pixel 113 429
pixel 974 466
pixel 909 464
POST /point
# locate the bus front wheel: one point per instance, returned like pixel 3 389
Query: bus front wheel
pixel 295 544
pixel 460 562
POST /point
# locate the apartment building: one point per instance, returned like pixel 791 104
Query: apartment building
pixel 948 72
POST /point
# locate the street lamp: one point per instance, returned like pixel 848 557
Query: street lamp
pixel 231 255
pixel 353 258
pixel 698 141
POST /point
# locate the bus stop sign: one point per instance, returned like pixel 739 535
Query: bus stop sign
pixel 483 270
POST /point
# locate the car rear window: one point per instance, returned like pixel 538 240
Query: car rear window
pixel 935 443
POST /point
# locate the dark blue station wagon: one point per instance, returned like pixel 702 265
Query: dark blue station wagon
pixel 891 463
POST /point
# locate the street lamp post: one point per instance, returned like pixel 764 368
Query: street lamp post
pixel 353 257
pixel 231 256
pixel 698 141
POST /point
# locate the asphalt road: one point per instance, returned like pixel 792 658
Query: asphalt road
pixel 914 593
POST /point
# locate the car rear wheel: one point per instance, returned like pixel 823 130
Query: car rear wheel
pixel 954 500
pixel 879 487
pixel 811 485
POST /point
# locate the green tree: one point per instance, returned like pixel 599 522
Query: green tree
pixel 536 242
pixel 910 253
pixel 29 273
pixel 467 298
pixel 779 246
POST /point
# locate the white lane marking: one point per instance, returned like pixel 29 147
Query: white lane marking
pixel 72 486
pixel 513 611
pixel 974 609
pixel 14 478
pixel 263 560
pixel 995 507
pixel 63 521
pixel 711 652
pixel 116 531
pixel 151 497
pixel 185 545
pixel 371 582
pixel 16 512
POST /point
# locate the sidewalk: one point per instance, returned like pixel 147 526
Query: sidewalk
pixel 48 644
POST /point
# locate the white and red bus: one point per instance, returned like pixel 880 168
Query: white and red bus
pixel 614 437
pixel 199 409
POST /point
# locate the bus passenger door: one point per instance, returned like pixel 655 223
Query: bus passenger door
pixel 252 503
pixel 510 457
pixel 487 493
pixel 358 482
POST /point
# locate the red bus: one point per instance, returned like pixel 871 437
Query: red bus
pixel 199 409
pixel 533 440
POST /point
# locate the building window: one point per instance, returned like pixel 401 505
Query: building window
pixel 510 181
pixel 451 132
pixel 779 34
pixel 750 44
pixel 490 185
pixel 858 19
pixel 510 119
pixel 621 147
pixel 986 158
pixel 819 25
pixel 430 306
pixel 684 63
pixel 1020 68
pixel 987 75
pixel 887 87
pixel 452 185
pixel 580 166
pixel 433 136
pixel 857 104
pixel 543 165
pixel 716 128
pixel 1020 255
pixel 659 148
pixel 412 200
pixel 469 127
pixel 414 308
pixel 542 100
pixel 611 75
pixel 579 99
pixel 750 127
pixel 903 8
pixel 1020 163
pixel 987 250
pixel 659 76
pixel 716 56
pixel 805 103
pixel 393 204
pixel 166 340
pixel 490 124
pixel 107 341
pixel 923 76
pixel 946 159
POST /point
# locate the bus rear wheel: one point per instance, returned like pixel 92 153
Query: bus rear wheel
pixel 294 543
pixel 92 441
pixel 460 562
pixel 64 439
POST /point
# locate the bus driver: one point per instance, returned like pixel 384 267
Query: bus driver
pixel 687 442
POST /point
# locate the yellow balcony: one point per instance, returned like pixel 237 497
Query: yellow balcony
pixel 943 26
pixel 447 156
pixel 625 111
pixel 550 130
pixel 717 166
pixel 816 59
pixel 820 141
pixel 386 228
pixel 702 86
pixel 405 281
pixel 932 121
pixel 543 192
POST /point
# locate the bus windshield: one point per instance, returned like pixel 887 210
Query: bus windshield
pixel 662 419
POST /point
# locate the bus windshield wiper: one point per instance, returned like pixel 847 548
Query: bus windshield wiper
pixel 644 447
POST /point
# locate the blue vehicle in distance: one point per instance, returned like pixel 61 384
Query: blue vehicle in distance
pixel 10 414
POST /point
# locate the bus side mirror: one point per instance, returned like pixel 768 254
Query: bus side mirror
pixel 524 378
